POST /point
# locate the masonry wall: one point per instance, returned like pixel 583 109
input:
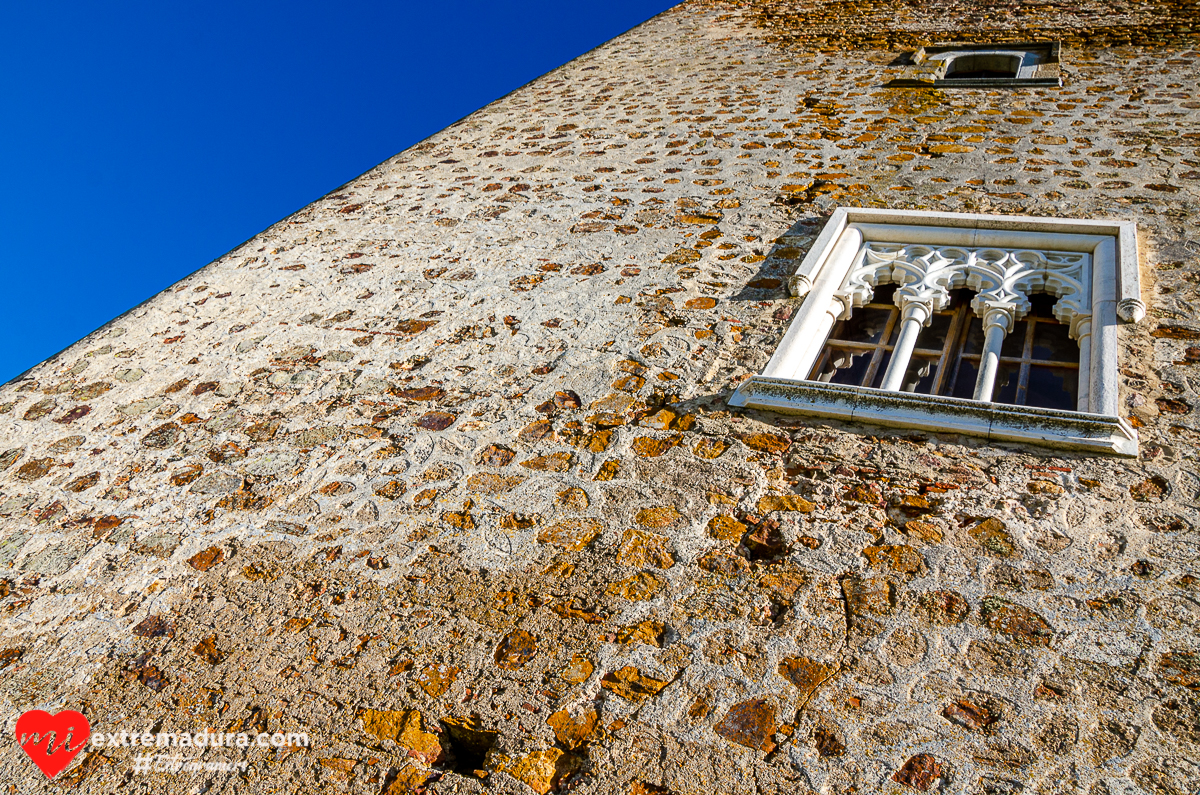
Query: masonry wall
pixel 440 471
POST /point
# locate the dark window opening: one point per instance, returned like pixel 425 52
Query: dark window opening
pixel 1039 362
pixel 991 65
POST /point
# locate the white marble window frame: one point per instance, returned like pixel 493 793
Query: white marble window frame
pixel 1115 296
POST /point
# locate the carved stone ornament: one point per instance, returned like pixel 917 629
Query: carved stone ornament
pixel 1002 278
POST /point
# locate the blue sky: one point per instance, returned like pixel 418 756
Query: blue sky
pixel 142 140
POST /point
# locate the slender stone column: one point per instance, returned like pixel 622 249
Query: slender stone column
pixel 806 336
pixel 1083 333
pixel 1102 375
pixel 996 324
pixel 913 318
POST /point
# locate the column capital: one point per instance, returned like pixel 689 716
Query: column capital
pixel 1081 327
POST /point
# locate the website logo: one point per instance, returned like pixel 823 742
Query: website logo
pixel 52 741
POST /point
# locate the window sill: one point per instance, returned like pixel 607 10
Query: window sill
pixel 997 422
pixel 980 82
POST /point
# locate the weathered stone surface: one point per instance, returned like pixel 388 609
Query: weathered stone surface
pixel 942 607
pixel 920 772
pixel 903 560
pixel 638 587
pixel 869 595
pixel 807 675
pixel 406 729
pixel 572 534
pixel 994 539
pixel 1020 623
pixel 725 528
pixel 541 770
pixel 574 730
pixel 630 684
pixel 517 648
pixel 785 502
pixel 639 548
pixel 750 723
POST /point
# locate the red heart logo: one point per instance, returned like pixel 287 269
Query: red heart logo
pixel 52 741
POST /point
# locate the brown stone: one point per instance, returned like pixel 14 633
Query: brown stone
pixel 969 715
pixel 207 650
pixel 723 563
pixel 827 743
pixel 391 490
pixel 750 723
pixel 639 549
pixel 1180 668
pixel 463 520
pixel 914 505
pixel 629 383
pixel 540 770
pixel 649 447
pixel 571 609
pixel 643 788
pixel 492 483
pixel 517 648
pixel 783 580
pixel 495 455
pixel 436 420
pixel 410 780
pixel 555 462
pixel 35 470
pixel 994 538
pixel 533 432
pixel 631 685
pixel 162 437
pixel 765 541
pixel 924 531
pixel 785 502
pixel 661 516
pixel 647 632
pixel 573 731
pixel 919 772
pixel 574 498
pixel 869 595
pixel 578 670
pixel 1152 489
pixel 181 477
pixel 767 442
pixel 206 559
pixel 405 728
pixel 807 675
pixel 155 627
pixel 901 559
pixel 1020 623
pixel 516 522
pixel 725 528
pixel 708 448
pixel 639 587
pixel 942 607
pixel 572 534
pixel 419 393
pixel 661 420
pixel 437 679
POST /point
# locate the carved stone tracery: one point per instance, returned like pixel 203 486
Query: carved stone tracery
pixel 1002 278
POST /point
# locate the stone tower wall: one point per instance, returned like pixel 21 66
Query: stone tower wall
pixel 440 471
